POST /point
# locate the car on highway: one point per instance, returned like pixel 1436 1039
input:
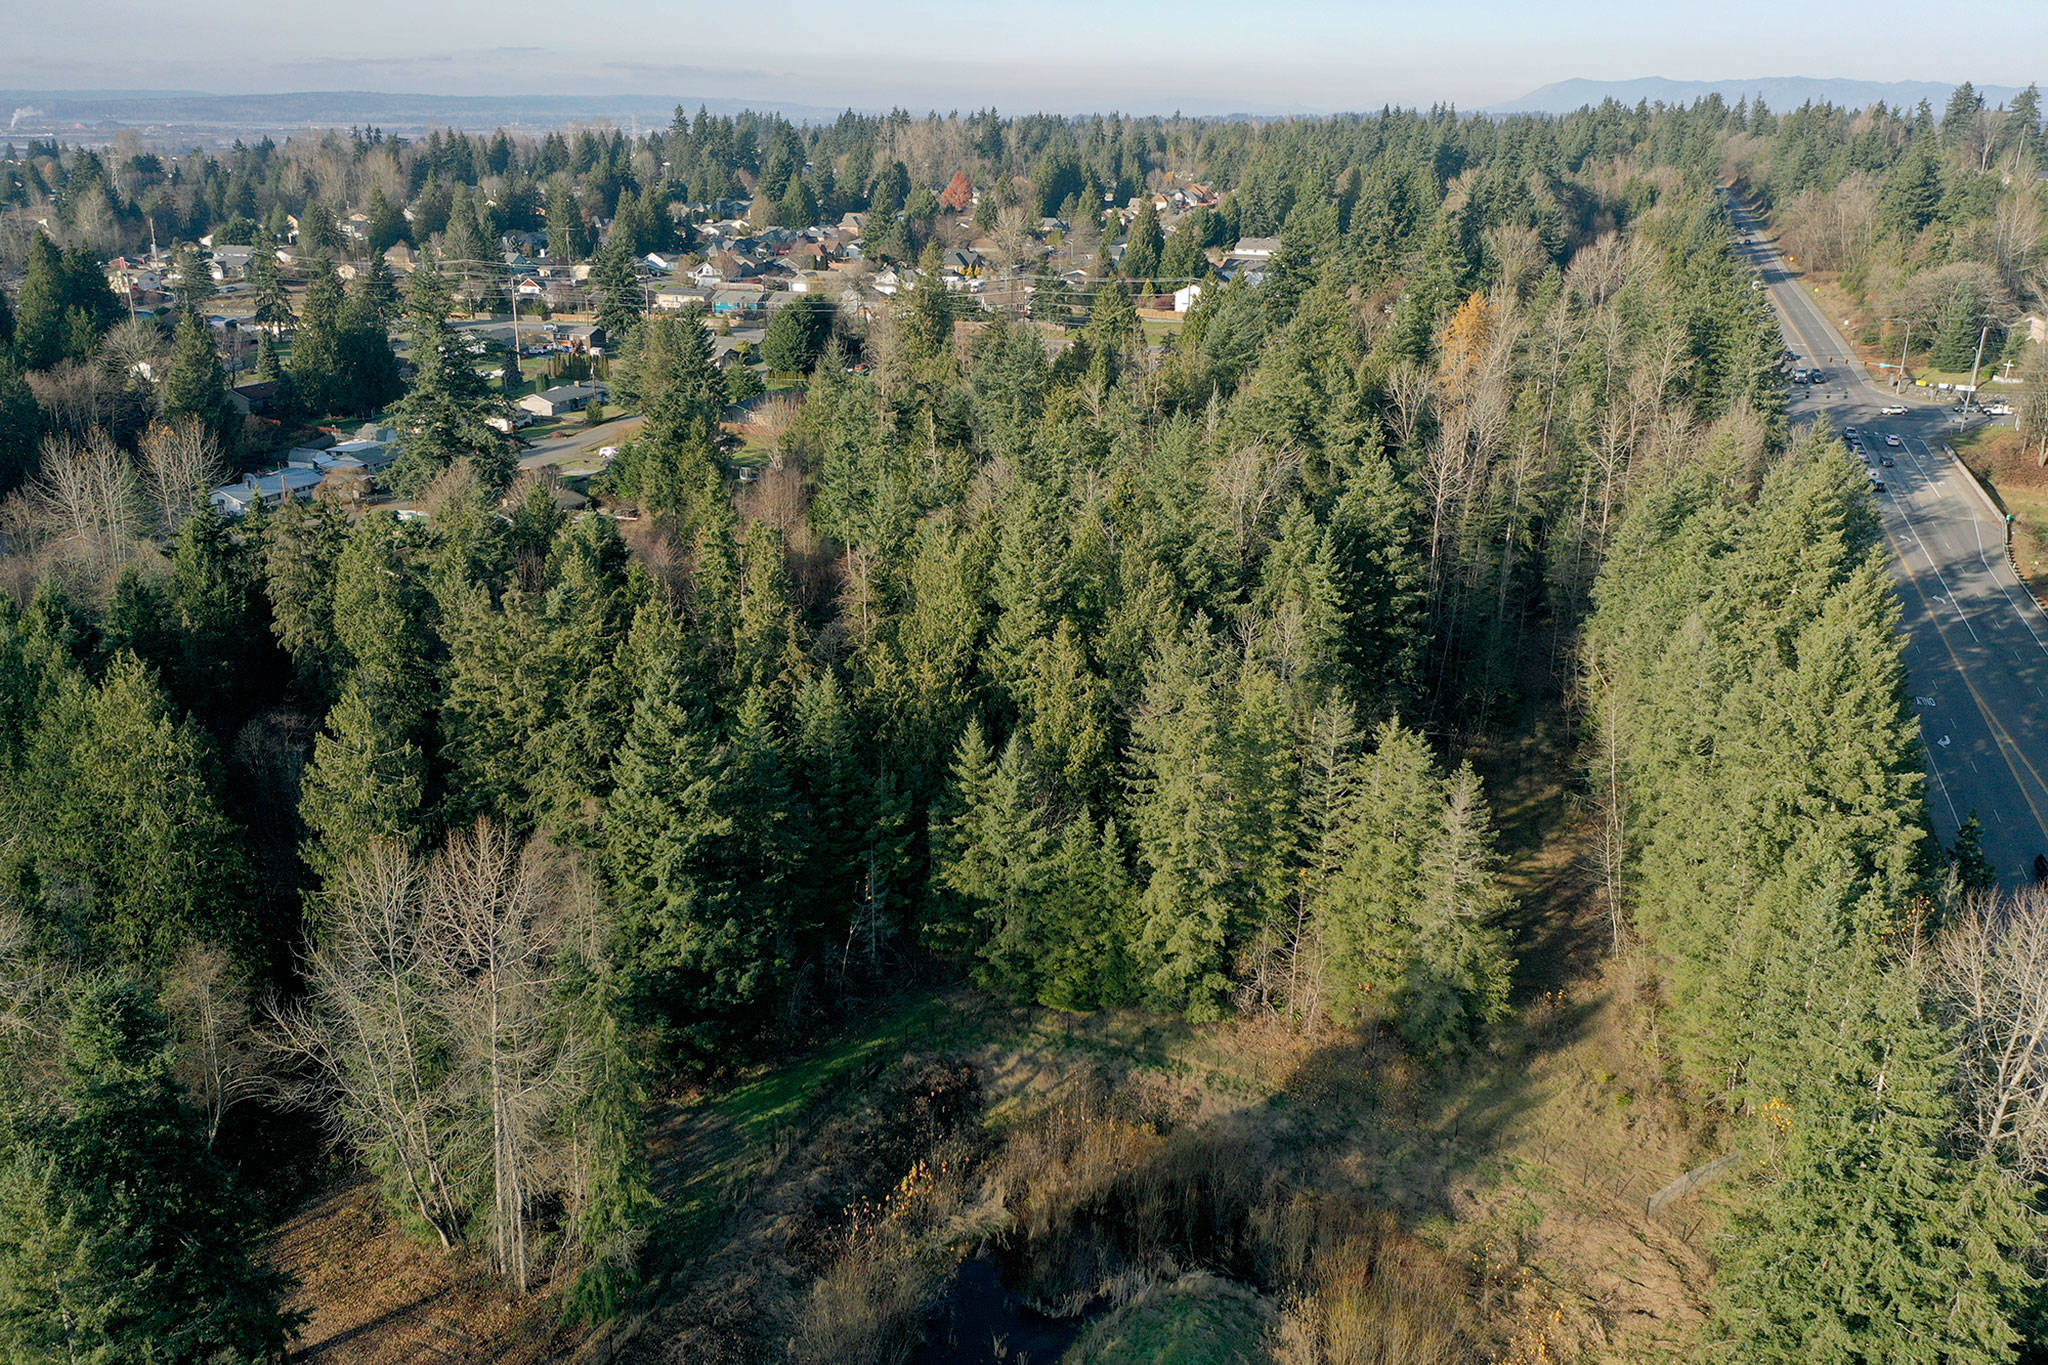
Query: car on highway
pixel 1851 432
pixel 1887 461
pixel 1891 439
pixel 1893 410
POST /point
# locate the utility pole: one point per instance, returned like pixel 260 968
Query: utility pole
pixel 1976 362
pixel 1899 380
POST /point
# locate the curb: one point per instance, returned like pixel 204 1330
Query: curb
pixel 1991 503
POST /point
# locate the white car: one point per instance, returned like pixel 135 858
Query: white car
pixel 1892 441
pixel 1893 409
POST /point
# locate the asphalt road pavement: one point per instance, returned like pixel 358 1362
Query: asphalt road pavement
pixel 1977 642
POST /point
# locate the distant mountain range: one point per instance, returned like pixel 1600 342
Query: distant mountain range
pixel 174 115
pixel 1779 92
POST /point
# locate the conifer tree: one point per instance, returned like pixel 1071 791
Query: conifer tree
pixel 442 419
pixel 302 547
pixel 195 385
pixel 21 426
pixel 123 827
pixel 1368 907
pixel 667 373
pixel 122 1237
pixel 316 343
pixel 699 855
pixel 1456 981
pixel 1182 817
pixel 1955 341
pixel 193 265
pixel 620 304
pixel 1142 248
pixel 1862 1239
pixel 272 304
pixel 366 782
pixel 993 855
pixel 39 334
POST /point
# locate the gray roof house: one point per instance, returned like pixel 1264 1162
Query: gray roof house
pixel 273 488
pixel 564 398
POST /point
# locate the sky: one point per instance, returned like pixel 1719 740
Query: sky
pixel 1146 56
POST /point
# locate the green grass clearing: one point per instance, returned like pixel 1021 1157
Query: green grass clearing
pixel 710 1147
pixel 1197 1320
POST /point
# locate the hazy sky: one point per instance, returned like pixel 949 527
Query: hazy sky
pixel 1139 55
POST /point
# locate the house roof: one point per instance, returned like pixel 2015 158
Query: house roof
pixel 276 484
pixel 566 393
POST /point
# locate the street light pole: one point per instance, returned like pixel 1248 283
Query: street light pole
pixel 1899 379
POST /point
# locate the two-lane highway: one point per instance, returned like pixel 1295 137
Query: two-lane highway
pixel 1977 643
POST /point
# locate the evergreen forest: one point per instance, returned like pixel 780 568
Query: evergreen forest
pixel 1027 654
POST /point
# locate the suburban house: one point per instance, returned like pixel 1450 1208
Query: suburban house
pixel 581 338
pixel 232 262
pixel 726 302
pixel 1251 269
pixel 671 297
pixel 723 267
pixel 892 278
pixel 564 398
pixel 401 257
pixel 1259 247
pixel 727 352
pixel 257 398
pixel 268 489
pixel 374 456
pixel 1186 297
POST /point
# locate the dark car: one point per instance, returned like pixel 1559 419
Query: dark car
pixel 1887 461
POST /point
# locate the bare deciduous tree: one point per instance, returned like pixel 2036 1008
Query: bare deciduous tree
pixel 497 936
pixel 85 502
pixel 435 1038
pixel 1249 487
pixel 1412 389
pixel 1989 969
pixel 364 1035
pixel 180 462
pixel 219 1058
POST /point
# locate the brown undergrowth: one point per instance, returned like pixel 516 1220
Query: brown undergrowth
pixel 1128 1188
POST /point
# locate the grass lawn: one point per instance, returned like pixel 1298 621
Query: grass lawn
pixel 1198 1320
pixel 707 1146
pixel 1159 331
pixel 2021 487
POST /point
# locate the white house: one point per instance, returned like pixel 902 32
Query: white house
pixel 1185 297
